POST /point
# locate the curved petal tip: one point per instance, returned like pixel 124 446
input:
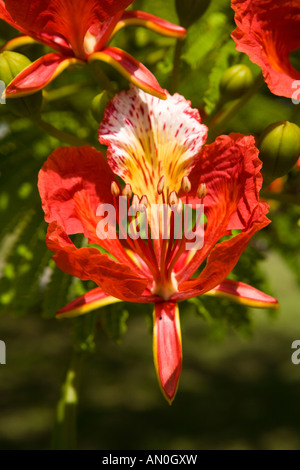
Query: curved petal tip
pixel 167 351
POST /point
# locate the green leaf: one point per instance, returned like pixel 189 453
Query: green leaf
pixel 113 321
pixel 56 291
pixel 30 261
pixel 226 57
pixel 222 313
pixel 284 235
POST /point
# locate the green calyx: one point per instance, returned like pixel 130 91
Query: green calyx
pixel 279 149
pixel 99 104
pixel 235 82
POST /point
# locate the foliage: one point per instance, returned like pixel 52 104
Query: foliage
pixel 29 279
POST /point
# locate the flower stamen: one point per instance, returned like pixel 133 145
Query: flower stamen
pixel 186 184
pixel 127 191
pixel 160 188
pixel 115 190
pixel 202 191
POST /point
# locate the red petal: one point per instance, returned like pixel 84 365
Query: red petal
pixel 131 68
pixel 167 347
pixel 93 299
pixel 116 279
pixel 4 15
pixel 244 294
pixel 101 33
pixel 230 169
pixel 96 298
pixel 223 258
pixel 53 40
pixel 268 32
pixel 31 16
pixel 71 20
pixel 154 23
pixel 72 184
pixel 39 74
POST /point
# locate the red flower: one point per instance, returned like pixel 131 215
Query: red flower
pixel 268 32
pixel 155 146
pixel 79 31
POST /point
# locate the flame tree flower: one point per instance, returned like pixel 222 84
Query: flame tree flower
pixel 268 32
pixel 155 147
pixel 78 31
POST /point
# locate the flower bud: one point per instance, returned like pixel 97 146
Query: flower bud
pixel 189 11
pixel 99 104
pixel 279 149
pixel 11 64
pixel 235 82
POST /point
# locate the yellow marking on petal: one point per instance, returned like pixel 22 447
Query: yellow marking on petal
pixel 65 64
pixel 149 25
pixel 131 78
pixel 17 42
pixel 190 256
pixel 243 300
pixel 134 258
pixel 61 67
pixel 86 308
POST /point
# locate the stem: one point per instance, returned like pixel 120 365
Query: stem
pixel 58 134
pixel 225 114
pixel 65 435
pixel 176 66
pixel 65 429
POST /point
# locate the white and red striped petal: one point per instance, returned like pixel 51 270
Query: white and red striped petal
pixel 149 138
